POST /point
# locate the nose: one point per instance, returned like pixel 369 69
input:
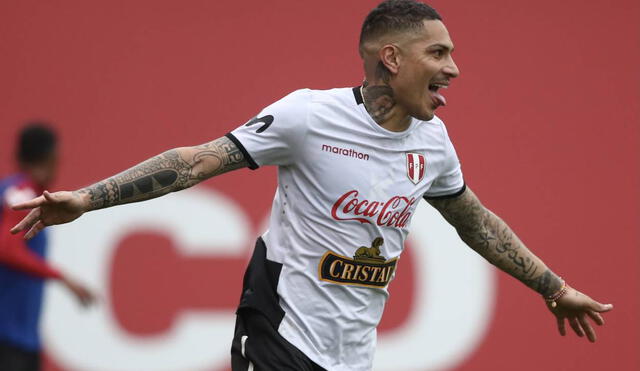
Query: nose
pixel 451 69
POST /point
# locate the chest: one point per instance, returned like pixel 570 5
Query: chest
pixel 371 178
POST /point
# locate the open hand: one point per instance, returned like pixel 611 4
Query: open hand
pixel 575 307
pixel 49 209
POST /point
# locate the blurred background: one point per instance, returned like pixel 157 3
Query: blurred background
pixel 544 117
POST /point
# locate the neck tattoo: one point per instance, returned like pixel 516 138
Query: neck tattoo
pixel 378 101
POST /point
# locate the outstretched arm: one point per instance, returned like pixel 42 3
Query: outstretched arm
pixel 492 238
pixel 170 171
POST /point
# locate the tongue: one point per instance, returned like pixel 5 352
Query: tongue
pixel 440 98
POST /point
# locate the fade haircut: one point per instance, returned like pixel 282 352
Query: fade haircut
pixel 396 16
pixel 36 142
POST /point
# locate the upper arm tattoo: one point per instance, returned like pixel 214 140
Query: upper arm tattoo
pixel 217 157
pixel 492 238
pixel 170 171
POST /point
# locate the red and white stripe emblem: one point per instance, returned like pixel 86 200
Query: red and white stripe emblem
pixel 415 167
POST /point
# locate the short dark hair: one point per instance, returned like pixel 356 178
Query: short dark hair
pixel 36 141
pixel 394 16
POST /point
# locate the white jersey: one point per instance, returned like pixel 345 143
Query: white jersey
pixel 347 189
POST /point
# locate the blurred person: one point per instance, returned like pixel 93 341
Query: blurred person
pixel 353 163
pixel 23 268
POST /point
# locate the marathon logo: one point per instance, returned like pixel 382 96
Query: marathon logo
pixel 359 272
pixel 345 152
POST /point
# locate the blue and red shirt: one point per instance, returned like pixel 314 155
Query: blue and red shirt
pixel 22 268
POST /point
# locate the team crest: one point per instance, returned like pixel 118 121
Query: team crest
pixel 415 167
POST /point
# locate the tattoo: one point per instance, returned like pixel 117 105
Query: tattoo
pixel 170 171
pixel 492 238
pixel 378 100
pixel 546 284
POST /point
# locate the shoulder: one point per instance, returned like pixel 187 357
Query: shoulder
pixel 294 102
pixel 303 101
pixel 11 181
pixel 298 97
pixel 335 96
pixel 15 189
pixel 328 96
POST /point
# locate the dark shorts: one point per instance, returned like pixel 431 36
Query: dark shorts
pixel 257 346
pixel 16 359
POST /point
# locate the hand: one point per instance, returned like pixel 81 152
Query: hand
pixel 82 294
pixel 576 307
pixel 49 209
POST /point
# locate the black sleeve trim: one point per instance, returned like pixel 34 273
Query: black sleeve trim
pixel 357 94
pixel 247 156
pixel 444 197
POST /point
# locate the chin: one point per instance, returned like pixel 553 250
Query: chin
pixel 424 115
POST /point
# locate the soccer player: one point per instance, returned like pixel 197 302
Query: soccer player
pixel 22 265
pixel 353 163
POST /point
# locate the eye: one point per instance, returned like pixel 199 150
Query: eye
pixel 438 53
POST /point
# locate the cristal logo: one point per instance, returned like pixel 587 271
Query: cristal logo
pixel 393 212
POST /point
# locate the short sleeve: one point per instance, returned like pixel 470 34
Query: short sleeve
pixel 450 182
pixel 276 134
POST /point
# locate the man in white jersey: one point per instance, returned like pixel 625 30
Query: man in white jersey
pixel 353 163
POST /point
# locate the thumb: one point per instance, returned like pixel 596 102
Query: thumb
pixel 48 196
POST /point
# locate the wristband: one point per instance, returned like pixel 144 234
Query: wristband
pixel 557 295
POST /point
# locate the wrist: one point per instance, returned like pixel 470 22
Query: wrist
pixel 552 299
pixel 547 284
pixel 85 199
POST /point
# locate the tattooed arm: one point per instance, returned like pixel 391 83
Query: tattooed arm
pixel 170 171
pixel 492 238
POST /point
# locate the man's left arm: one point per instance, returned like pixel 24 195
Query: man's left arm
pixel 492 238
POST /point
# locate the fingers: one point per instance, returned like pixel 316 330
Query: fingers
pixel 85 300
pixel 85 297
pixel 586 326
pixel 598 307
pixel 576 326
pixel 27 221
pixel 561 328
pixel 34 215
pixel 596 317
pixel 38 201
pixel 34 230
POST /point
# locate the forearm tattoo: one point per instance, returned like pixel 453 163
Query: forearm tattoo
pixel 492 238
pixel 170 171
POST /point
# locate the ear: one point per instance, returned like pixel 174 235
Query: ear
pixel 389 57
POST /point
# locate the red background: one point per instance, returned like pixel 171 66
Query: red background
pixel 544 116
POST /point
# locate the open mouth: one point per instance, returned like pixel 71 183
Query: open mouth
pixel 438 99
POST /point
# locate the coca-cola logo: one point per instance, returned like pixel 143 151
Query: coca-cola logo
pixel 393 212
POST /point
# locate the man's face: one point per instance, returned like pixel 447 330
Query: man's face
pixel 43 173
pixel 425 67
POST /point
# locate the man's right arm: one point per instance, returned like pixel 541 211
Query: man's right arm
pixel 171 171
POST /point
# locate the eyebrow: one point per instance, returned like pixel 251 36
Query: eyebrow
pixel 443 46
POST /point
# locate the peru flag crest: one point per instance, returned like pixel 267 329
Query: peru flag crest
pixel 415 167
